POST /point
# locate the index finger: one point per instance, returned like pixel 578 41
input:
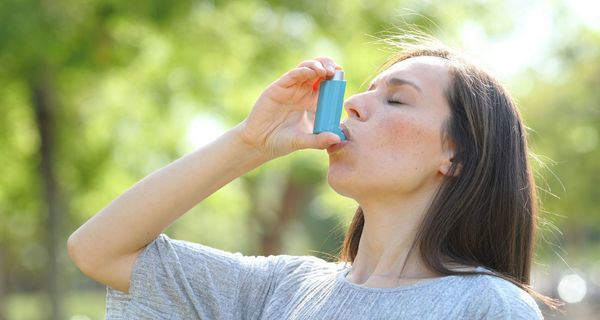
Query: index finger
pixel 329 64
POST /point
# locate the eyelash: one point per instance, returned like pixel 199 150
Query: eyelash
pixel 394 102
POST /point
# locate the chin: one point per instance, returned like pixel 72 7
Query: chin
pixel 341 182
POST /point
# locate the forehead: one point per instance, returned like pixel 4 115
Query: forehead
pixel 429 73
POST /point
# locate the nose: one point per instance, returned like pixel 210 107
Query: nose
pixel 355 107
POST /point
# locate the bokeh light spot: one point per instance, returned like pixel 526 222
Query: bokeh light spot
pixel 572 288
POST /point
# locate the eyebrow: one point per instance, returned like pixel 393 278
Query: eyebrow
pixel 398 82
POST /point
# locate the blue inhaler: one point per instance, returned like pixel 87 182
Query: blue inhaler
pixel 329 105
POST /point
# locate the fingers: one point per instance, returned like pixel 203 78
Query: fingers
pixel 324 62
pixel 312 114
pixel 326 139
pixel 322 68
pixel 310 70
pixel 315 141
pixel 303 74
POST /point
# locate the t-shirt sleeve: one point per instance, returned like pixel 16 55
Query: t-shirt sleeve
pixel 521 307
pixel 499 299
pixel 173 279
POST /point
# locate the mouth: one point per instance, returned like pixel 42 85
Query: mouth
pixel 345 131
pixel 343 143
pixel 333 148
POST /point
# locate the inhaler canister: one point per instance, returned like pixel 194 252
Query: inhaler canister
pixel 329 105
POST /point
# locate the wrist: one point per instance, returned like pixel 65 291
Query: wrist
pixel 248 150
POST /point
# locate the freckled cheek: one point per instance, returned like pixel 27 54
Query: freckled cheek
pixel 406 141
pixel 402 135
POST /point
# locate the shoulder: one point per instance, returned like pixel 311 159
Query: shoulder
pixel 304 265
pixel 496 298
pixel 279 266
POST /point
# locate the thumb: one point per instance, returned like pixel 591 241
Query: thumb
pixel 316 141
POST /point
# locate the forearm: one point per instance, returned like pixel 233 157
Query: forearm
pixel 135 218
pixel 107 246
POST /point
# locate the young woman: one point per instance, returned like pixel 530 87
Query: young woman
pixel 437 161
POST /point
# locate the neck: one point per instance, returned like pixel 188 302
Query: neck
pixel 384 257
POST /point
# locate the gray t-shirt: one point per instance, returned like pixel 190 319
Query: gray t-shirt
pixel 173 279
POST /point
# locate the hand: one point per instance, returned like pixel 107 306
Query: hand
pixel 282 118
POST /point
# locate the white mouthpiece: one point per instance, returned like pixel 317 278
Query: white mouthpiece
pixel 338 75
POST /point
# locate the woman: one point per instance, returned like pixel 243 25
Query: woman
pixel 436 158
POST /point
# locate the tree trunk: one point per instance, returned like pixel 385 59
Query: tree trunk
pixel 291 204
pixel 45 108
pixel 3 295
pixel 271 228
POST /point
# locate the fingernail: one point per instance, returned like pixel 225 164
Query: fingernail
pixel 330 68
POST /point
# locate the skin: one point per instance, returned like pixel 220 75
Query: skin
pixel 107 245
pixel 394 149
pixel 392 165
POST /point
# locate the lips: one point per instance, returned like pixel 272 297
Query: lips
pixel 342 144
pixel 345 131
pixel 335 147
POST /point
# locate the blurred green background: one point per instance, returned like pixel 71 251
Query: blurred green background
pixel 94 95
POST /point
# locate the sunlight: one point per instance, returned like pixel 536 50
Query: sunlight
pixel 203 129
pixel 524 47
pixel 587 11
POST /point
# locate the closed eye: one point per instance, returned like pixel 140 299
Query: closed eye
pixel 394 102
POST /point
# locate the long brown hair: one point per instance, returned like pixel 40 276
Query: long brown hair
pixel 486 214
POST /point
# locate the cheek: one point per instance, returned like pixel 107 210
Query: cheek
pixel 402 146
pixel 401 137
pixel 396 154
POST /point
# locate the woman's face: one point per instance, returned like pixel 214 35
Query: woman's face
pixel 395 128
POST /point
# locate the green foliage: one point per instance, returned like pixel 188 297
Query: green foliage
pixel 80 305
pixel 132 79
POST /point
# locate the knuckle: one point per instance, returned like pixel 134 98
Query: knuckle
pixel 307 63
pixel 313 64
pixel 325 60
